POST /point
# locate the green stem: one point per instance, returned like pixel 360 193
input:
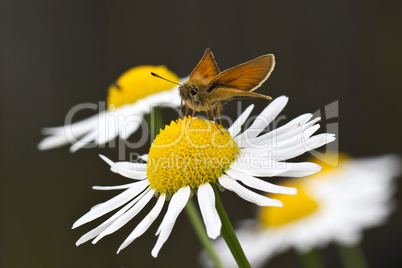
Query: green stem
pixel 229 234
pixel 155 124
pixel 312 259
pixel 199 229
pixel 352 256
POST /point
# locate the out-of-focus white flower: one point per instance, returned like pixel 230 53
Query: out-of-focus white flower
pixel 336 204
pixel 133 95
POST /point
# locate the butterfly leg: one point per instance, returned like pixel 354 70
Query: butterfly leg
pixel 218 111
pixel 208 115
pixel 181 107
pixel 192 116
pixel 210 109
pixel 213 117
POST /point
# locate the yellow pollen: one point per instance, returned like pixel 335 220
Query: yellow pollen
pixel 138 83
pixel 295 207
pixel 189 156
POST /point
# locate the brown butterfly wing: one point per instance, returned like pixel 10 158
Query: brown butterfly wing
pixel 244 77
pixel 205 70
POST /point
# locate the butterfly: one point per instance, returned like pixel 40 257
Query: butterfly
pixel 207 88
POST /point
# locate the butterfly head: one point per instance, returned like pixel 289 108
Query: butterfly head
pixel 190 94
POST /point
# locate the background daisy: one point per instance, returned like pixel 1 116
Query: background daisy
pixel 133 95
pixel 335 205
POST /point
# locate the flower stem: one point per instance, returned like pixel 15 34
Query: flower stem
pixel 229 234
pixel 199 229
pixel 312 259
pixel 352 256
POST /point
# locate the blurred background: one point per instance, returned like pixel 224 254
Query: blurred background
pixel 56 54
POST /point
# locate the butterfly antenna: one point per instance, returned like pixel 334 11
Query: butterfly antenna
pixel 156 75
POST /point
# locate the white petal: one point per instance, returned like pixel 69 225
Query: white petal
pixel 256 165
pixel 301 169
pixel 130 170
pixel 67 134
pixel 84 141
pixel 264 148
pixel 132 166
pixel 206 201
pixel 268 114
pixel 236 126
pixel 93 233
pixel 112 204
pixel 53 142
pixel 130 126
pixel 115 187
pixel 77 127
pixel 311 144
pixel 261 163
pixel 260 184
pixel 106 135
pixel 145 223
pixel 246 194
pixel 282 133
pixel 295 136
pixel 386 166
pixel 107 160
pixel 293 124
pixel 131 213
pixel 161 240
pixel 263 119
pixel 177 203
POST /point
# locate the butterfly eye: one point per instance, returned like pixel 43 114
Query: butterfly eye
pixel 194 90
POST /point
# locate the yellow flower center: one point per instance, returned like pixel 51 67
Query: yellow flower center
pixel 189 156
pixel 138 83
pixel 294 207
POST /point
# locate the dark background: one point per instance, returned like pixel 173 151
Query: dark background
pixel 56 54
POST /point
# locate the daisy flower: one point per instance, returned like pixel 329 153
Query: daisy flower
pixel 133 95
pixel 336 204
pixel 185 160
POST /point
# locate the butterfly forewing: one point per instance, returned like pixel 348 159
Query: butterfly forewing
pixel 205 70
pixel 245 77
